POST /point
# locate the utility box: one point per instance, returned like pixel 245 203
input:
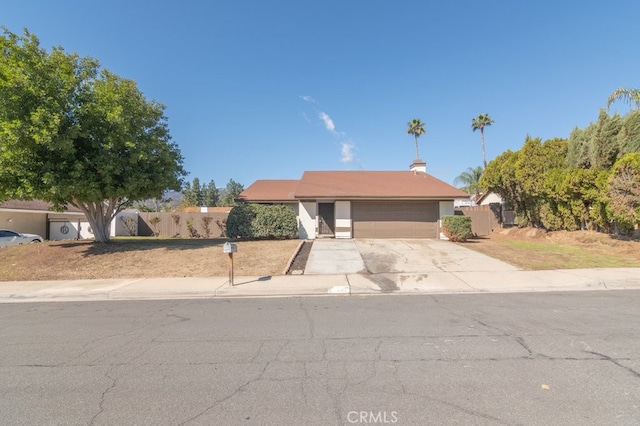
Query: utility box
pixel 229 248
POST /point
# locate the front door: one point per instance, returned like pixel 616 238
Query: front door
pixel 326 218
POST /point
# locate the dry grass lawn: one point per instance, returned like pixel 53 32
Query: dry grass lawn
pixel 146 257
pixel 534 249
pixel 141 257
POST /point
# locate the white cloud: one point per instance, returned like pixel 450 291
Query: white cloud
pixel 346 153
pixel 328 122
pixel 308 99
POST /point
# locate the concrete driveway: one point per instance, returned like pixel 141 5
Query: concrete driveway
pixel 418 265
pixel 422 256
pixel 375 256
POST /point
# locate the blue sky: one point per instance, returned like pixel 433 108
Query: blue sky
pixel 259 89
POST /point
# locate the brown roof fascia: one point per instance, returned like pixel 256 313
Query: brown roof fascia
pixel 36 205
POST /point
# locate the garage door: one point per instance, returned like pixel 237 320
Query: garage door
pixel 388 219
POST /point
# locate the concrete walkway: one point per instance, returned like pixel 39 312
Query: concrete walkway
pixel 438 282
pixel 333 256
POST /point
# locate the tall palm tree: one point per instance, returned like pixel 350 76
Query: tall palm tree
pixel 480 122
pixel 416 128
pixel 470 178
pixel 631 96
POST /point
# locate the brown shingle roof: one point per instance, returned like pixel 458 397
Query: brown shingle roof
pixel 270 190
pixel 353 184
pixel 375 184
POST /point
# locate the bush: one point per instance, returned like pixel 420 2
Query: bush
pixel 206 225
pixel 623 193
pixel 275 221
pixel 457 228
pixel 239 221
pixel 259 221
pixel 154 221
pixel 193 232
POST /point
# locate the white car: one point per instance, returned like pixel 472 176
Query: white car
pixel 12 238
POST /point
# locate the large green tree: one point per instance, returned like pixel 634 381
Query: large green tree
pixel 602 143
pixel 230 192
pixel 624 192
pixel 196 194
pixel 71 132
pixel 479 123
pixel 210 194
pixel 470 181
pixel 416 128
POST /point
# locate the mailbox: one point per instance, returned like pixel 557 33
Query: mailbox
pixel 229 248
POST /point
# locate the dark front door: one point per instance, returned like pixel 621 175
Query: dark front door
pixel 326 218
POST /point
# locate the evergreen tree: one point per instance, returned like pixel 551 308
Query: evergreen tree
pixel 210 194
pixel 230 192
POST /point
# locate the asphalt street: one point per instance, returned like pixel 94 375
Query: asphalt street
pixel 526 358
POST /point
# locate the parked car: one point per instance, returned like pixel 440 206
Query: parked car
pixel 12 238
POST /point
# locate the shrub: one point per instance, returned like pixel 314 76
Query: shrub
pixel 206 223
pixel 623 192
pixel 457 228
pixel 222 225
pixel 154 221
pixel 275 221
pixel 259 221
pixel 130 224
pixel 193 232
pixel 551 220
pixel 239 221
pixel 176 221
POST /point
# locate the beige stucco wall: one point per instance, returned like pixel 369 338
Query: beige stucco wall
pixel 28 223
pixel 307 220
pixel 343 219
pixel 446 209
pixel 32 222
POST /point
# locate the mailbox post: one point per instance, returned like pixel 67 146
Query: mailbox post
pixel 230 248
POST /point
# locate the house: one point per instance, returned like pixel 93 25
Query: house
pixel 362 204
pixel 37 217
pixel 488 198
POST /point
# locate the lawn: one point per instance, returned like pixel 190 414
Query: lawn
pixel 142 257
pixel 533 249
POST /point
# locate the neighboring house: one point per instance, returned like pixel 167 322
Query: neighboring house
pixel 464 203
pixel 362 204
pixel 489 198
pixel 36 217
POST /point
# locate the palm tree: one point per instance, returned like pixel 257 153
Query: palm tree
pixel 480 122
pixel 631 96
pixel 470 178
pixel 416 128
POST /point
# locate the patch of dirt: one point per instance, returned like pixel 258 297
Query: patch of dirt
pixel 522 233
pixel 536 249
pixel 142 257
pixel 300 262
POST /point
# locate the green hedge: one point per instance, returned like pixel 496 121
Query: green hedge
pixel 457 228
pixel 261 221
